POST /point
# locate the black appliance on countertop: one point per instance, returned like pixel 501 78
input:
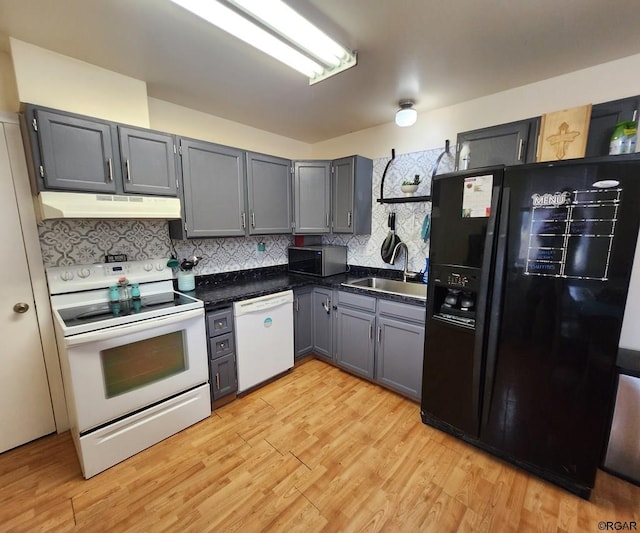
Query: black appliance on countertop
pixel 542 254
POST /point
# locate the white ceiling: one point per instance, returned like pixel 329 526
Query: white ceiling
pixel 436 52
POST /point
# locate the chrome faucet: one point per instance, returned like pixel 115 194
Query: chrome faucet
pixel 406 258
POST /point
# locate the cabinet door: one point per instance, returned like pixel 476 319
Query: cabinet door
pixel 76 153
pixel 312 200
pixel 213 190
pixel 342 188
pixel 269 192
pixel 506 144
pixel 148 162
pixel 604 118
pixel 355 351
pixel 322 323
pixel 223 376
pixel 302 321
pixel 399 357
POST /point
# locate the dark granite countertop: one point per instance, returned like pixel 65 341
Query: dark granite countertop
pixel 218 290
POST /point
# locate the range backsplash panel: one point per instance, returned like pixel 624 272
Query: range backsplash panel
pixel 70 241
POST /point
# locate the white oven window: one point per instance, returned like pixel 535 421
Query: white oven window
pixel 138 364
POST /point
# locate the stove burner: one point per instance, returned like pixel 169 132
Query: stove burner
pixel 102 311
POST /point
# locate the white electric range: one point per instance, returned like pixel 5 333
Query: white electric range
pixel 135 369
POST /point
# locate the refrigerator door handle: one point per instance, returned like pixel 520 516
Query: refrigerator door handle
pixel 480 337
pixel 496 305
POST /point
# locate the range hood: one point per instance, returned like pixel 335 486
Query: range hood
pixel 85 205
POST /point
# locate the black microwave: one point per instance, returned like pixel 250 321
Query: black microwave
pixel 321 260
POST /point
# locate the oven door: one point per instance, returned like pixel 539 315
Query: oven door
pixel 119 370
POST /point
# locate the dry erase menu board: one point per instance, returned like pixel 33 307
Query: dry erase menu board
pixel 571 233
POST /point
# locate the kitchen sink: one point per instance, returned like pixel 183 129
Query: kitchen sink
pixel 391 286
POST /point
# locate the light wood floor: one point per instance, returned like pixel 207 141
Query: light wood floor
pixel 318 450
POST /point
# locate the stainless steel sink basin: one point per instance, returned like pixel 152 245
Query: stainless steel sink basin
pixel 392 286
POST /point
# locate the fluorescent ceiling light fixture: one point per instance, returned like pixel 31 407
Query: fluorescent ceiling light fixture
pixel 406 115
pixel 266 24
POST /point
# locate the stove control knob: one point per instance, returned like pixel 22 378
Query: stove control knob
pixel 159 267
pixel 84 273
pixel 66 275
pixel 148 267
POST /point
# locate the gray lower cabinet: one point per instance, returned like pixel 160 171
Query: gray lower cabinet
pixel 506 144
pixel 148 161
pixel 312 198
pixel 351 195
pixel 322 316
pixel 268 194
pixel 400 335
pixel 381 340
pixel 399 357
pixel 213 188
pixel 303 321
pixel 355 350
pixel 223 378
pixel 73 153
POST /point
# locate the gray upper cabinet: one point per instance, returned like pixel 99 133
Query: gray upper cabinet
pixel 312 200
pixel 269 194
pixel 213 187
pixel 148 161
pixel 507 144
pixel 351 195
pixel 73 153
pixel 604 118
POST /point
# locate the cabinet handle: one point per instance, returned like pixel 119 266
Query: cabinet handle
pixel 244 220
pixel 110 165
pixel 520 147
pixel 253 219
pixel 371 331
pixel 379 335
pixel 349 219
pixel 217 381
pixel 327 306
pixel 327 220
pixel 297 305
pixel 126 163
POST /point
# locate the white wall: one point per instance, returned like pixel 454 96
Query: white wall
pixel 54 80
pixel 609 81
pixel 8 91
pixel 165 116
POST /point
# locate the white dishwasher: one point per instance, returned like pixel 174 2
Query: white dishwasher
pixel 264 337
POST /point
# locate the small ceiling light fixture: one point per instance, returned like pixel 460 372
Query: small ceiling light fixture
pixel 406 115
pixel 274 28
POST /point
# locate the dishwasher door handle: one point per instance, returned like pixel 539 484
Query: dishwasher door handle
pixel 263 303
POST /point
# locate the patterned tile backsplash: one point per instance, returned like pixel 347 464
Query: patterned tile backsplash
pixel 69 241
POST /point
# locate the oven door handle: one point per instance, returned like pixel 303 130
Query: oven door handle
pixel 134 327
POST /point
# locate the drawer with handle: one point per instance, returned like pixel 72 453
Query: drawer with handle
pixel 221 345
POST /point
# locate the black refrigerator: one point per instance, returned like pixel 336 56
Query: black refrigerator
pixel 529 271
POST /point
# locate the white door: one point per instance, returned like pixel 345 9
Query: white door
pixel 26 412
